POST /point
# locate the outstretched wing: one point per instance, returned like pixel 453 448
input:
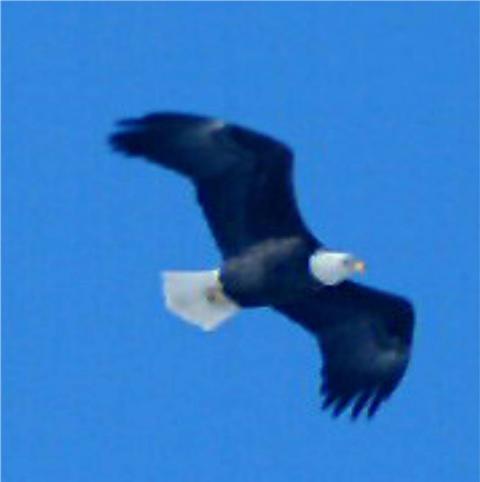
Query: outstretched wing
pixel 243 179
pixel 365 337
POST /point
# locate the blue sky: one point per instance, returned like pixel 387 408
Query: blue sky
pixel 379 101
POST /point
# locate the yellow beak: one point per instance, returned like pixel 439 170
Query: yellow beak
pixel 360 266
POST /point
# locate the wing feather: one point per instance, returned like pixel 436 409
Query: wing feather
pixel 243 179
pixel 365 337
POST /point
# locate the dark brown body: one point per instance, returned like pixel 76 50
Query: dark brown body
pixel 271 272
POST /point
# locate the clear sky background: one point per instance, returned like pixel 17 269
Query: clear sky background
pixel 101 383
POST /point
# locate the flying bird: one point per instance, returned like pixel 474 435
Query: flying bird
pixel 243 182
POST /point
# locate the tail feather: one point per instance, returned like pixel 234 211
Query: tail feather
pixel 197 298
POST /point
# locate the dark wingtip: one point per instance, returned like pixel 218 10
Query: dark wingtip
pixel 130 139
pixel 341 405
pixel 123 140
pixel 127 143
pixel 359 405
pixel 145 135
pixel 335 402
pixel 327 402
pixel 365 403
pixel 381 395
pixel 373 408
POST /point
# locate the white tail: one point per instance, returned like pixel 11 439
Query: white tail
pixel 197 297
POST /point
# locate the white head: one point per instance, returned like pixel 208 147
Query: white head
pixel 332 267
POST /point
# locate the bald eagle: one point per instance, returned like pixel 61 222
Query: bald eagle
pixel 243 182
